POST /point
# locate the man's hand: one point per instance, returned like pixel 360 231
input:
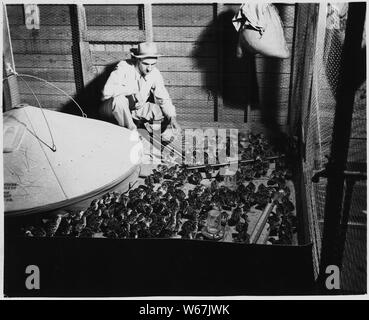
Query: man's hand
pixel 139 101
pixel 176 127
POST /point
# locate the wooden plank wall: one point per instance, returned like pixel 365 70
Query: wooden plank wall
pixel 45 53
pixel 188 35
pixel 177 30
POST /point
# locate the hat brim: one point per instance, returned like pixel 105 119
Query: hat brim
pixel 142 56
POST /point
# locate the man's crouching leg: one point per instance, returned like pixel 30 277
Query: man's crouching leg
pixel 151 115
pixel 122 113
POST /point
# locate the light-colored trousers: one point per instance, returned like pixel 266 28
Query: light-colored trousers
pixel 120 108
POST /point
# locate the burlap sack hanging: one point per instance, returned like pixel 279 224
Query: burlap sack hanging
pixel 260 31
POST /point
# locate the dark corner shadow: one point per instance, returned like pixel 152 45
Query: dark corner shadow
pixel 274 77
pixel 273 98
pixel 90 97
pixel 231 78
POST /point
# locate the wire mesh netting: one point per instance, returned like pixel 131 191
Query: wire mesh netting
pixel 354 255
pixel 318 121
pixel 115 15
pixel 45 53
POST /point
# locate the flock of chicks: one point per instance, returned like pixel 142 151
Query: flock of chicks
pixel 163 207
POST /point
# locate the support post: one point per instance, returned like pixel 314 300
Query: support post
pixel 11 90
pixel 149 34
pixel 304 32
pixel 218 99
pixel 88 70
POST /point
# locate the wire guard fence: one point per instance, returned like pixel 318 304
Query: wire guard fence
pixel 317 126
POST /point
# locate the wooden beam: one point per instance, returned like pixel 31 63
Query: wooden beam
pixel 185 107
pixel 305 30
pixel 57 75
pixel 195 93
pixel 20 32
pixel 50 15
pixel 11 91
pixel 219 105
pixel 112 15
pixel 189 15
pixel 149 35
pixel 41 88
pixel 183 34
pixel 88 69
pixel 133 34
pixel 44 61
pixel 191 63
pixel 187 49
pixel 114 34
pixel 42 46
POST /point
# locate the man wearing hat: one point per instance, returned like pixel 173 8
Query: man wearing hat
pixel 129 87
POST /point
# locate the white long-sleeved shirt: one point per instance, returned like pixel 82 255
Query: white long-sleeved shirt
pixel 126 80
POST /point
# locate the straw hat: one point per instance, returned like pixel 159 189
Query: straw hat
pixel 146 50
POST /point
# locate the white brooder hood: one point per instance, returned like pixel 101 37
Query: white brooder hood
pixel 92 157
